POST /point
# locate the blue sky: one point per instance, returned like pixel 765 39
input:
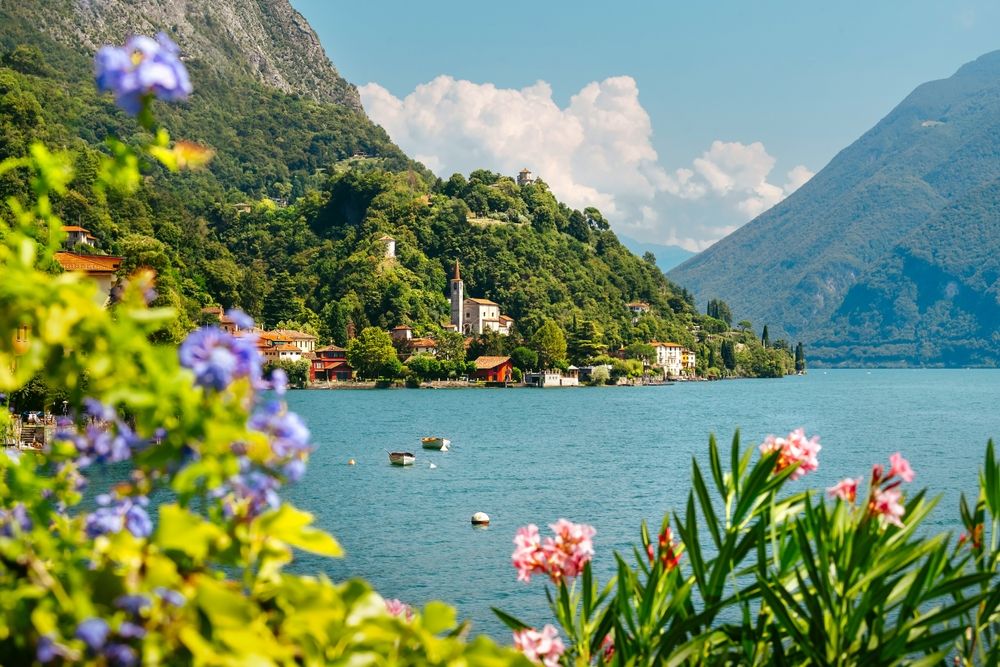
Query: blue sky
pixel 669 79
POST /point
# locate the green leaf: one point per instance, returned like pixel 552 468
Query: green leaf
pixel 438 617
pixel 292 526
pixel 180 530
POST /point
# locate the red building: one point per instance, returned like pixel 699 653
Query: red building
pixel 330 365
pixel 494 369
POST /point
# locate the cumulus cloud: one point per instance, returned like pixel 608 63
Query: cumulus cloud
pixel 595 151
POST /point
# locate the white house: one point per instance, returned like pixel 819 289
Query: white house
pixel 669 357
pixel 474 316
pixel 76 234
pixel 551 378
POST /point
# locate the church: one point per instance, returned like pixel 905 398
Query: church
pixel 474 316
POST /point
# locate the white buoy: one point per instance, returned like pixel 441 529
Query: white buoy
pixel 480 519
pixel 352 462
pixel 433 466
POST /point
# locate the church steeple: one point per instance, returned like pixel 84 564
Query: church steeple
pixel 457 300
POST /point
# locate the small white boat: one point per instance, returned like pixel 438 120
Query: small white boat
pixel 440 444
pixel 401 458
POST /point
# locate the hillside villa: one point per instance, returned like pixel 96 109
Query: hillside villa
pixel 475 316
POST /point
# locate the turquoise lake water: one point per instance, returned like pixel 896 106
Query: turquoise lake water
pixel 608 456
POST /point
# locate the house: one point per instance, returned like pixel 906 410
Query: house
pixel 688 362
pixel 494 369
pixel 669 357
pixel 282 352
pixel 305 342
pixel 226 323
pixel 102 268
pixel 524 177
pixel 638 309
pixel 475 316
pixel 423 346
pixel 401 333
pixel 330 365
pixel 551 378
pixel 76 235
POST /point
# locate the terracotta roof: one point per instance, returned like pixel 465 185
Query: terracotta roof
pixel 504 318
pixel 292 334
pixel 656 343
pixel 402 327
pixel 332 348
pixel 638 304
pixel 386 237
pixel 423 342
pixel 76 228
pixel 483 302
pixel 212 310
pixel 458 275
pixel 285 347
pixel 486 363
pixel 89 264
pixel 274 336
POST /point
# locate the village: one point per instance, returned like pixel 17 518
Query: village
pixel 471 317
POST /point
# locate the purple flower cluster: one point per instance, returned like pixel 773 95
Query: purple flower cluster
pixel 15 519
pixel 249 493
pixel 105 438
pixel 217 358
pixel 289 436
pixel 143 67
pixel 94 632
pixel 115 515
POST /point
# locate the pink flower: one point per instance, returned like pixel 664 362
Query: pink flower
pixel 846 489
pixel 544 647
pixel 670 556
pixel 561 556
pixel 795 449
pixel 900 466
pixel 608 646
pixel 398 608
pixel 885 503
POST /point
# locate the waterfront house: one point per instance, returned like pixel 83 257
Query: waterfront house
pixel 330 365
pixel 494 369
pixel 551 378
pixel 300 339
pixel 423 346
pixel 669 357
pixel 688 362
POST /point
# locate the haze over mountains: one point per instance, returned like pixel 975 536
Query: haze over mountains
pixel 888 255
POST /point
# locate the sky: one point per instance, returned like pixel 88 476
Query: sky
pixel 680 121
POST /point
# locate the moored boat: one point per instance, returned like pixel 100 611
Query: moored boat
pixel 401 458
pixel 440 444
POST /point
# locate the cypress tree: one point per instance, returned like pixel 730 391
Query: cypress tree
pixel 729 354
pixel 800 358
pixel 765 340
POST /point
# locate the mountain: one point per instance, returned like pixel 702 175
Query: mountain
pixel 872 259
pixel 266 40
pixel 667 256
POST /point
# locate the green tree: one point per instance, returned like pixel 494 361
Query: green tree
pixel 372 355
pixel 451 346
pixel 550 344
pixel 729 355
pixel 524 358
pixel 745 325
pixel 800 358
pixel 585 342
pixel 424 366
pixel 719 309
pixel 765 339
pixel 297 371
pixel 642 351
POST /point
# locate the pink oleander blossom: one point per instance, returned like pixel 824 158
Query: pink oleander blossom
pixel 900 466
pixel 795 449
pixel 543 647
pixel 608 648
pixel 558 557
pixel 885 503
pixel 399 608
pixel 846 489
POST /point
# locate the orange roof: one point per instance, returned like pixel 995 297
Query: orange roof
pixel 638 304
pixel 285 347
pixel 486 363
pixel 504 318
pixel 656 343
pixel 89 264
pixel 274 336
pixel 332 348
pixel 483 302
pixel 292 334
pixel 74 228
pixel 402 327
pixel 423 342
pixel 212 310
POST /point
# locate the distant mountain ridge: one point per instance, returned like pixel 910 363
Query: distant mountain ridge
pixel 667 256
pixel 870 260
pixel 267 40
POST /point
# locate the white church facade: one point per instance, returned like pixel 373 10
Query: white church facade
pixel 474 316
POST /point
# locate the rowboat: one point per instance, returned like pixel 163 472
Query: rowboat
pixel 440 444
pixel 401 458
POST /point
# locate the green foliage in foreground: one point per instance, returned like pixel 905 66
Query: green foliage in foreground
pixel 231 600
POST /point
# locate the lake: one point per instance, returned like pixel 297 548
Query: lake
pixel 608 456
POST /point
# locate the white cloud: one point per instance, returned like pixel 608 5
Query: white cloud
pixel 597 151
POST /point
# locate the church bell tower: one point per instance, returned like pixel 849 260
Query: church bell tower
pixel 457 299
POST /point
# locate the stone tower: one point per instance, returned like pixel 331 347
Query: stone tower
pixel 457 299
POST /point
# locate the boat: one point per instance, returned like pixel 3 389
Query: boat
pixel 440 444
pixel 401 458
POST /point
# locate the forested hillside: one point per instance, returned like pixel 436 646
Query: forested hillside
pixel 872 259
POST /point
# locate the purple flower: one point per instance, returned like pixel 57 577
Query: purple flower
pixel 240 319
pixel 130 630
pixel 142 67
pixel 170 596
pixel 48 650
pixel 16 516
pixel 279 381
pixel 294 470
pixel 121 655
pixel 250 493
pixel 93 632
pixel 133 604
pixel 113 516
pixel 289 436
pixel 217 358
pixel 99 410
